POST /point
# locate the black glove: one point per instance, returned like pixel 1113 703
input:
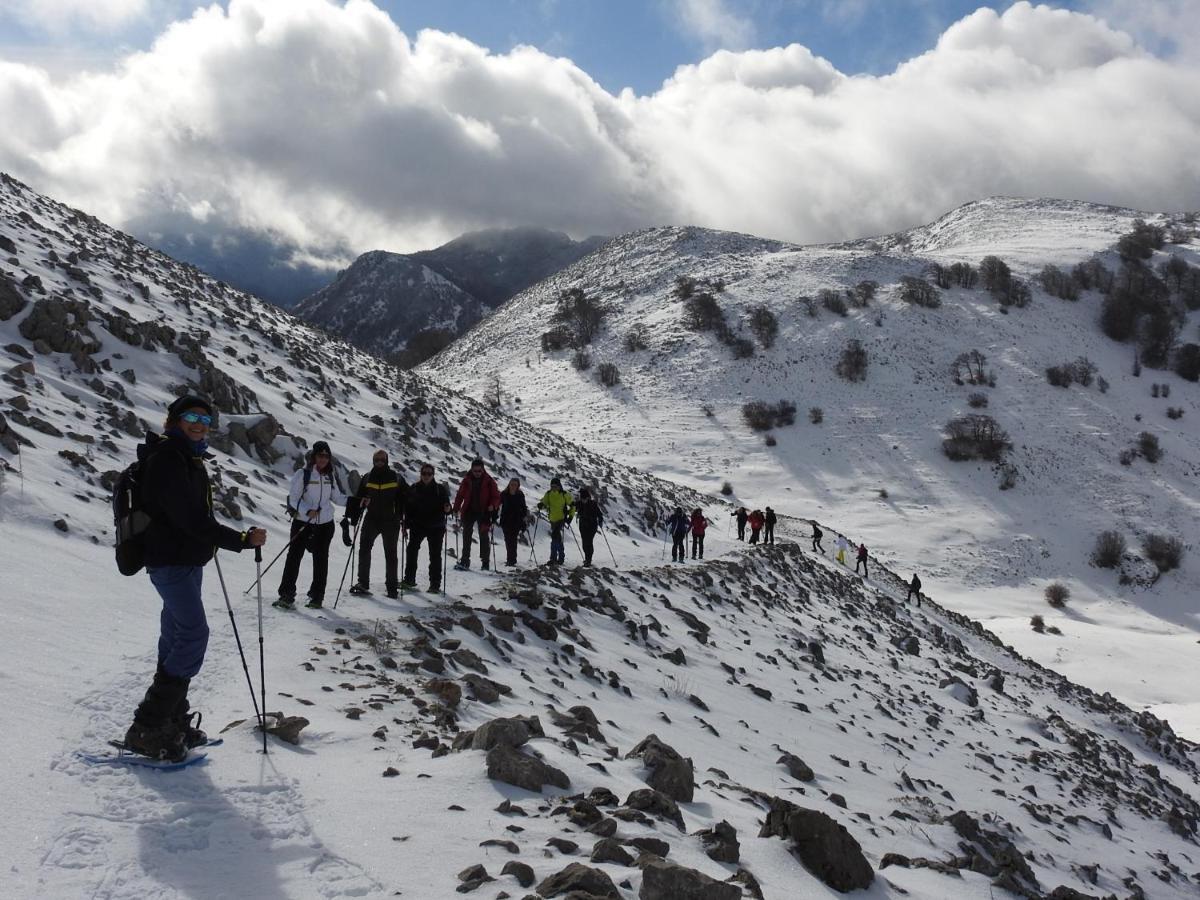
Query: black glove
pixel 346 539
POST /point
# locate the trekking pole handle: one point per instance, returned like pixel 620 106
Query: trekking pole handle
pixel 258 554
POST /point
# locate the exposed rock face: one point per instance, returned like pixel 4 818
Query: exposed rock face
pixel 721 843
pixel 829 851
pixel 510 732
pixel 59 326
pixel 662 880
pixel 655 803
pixel 11 299
pixel 513 767
pixel 578 877
pixel 670 773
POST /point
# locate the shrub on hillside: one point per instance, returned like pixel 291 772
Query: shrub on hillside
pixel 1108 550
pixel 862 293
pixel 582 360
pixel 920 292
pixel 1058 376
pixel 1148 447
pixel 1057 594
pixel 558 338
pixel 977 400
pixel 1159 333
pixel 764 325
pixel 1174 412
pixel 608 374
pixel 726 489
pixel 964 275
pixel 770 440
pixel 701 312
pixel 968 367
pixel 423 345
pixel 1058 283
pixel 995 274
pixel 636 339
pixel 975 436
pixel 808 304
pixel 741 347
pixel 1118 315
pixel 1092 275
pixel 833 301
pixel 582 316
pixel 816 415
pixel 1174 271
pixel 939 275
pixel 852 365
pixel 762 416
pixel 1038 624
pixel 1141 242
pixel 1165 551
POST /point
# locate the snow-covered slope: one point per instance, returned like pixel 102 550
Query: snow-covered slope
pixel 802 700
pixel 875 465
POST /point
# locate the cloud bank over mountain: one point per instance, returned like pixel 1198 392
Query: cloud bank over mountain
pixel 325 129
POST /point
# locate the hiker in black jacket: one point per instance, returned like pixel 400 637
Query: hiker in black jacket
pixel 180 540
pixel 425 511
pixel 587 511
pixel 379 505
pixel 678 524
pixel 742 516
pixel 769 526
pixel 514 512
pixel 914 587
pixel 816 537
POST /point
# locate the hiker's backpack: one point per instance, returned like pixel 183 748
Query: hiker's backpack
pixel 130 519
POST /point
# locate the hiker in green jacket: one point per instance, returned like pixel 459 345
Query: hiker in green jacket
pixel 560 508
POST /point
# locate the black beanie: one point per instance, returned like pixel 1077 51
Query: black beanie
pixel 321 447
pixel 187 401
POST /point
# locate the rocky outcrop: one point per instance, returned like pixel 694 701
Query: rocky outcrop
pixel 670 773
pixel 521 770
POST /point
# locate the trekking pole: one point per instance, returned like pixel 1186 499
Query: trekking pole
pixel 262 722
pixel 262 663
pixel 403 556
pixel 532 555
pixel 533 539
pixel 276 559
pixel 604 534
pixel 571 528
pixel 492 538
pixel 664 549
pixel 353 542
pixel 445 555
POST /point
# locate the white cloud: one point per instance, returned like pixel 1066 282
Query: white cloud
pixel 325 128
pixel 75 15
pixel 1169 26
pixel 714 24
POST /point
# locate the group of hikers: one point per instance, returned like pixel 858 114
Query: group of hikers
pixel 178 535
pixel 759 522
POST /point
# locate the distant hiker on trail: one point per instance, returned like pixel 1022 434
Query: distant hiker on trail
pixel 769 526
pixel 914 587
pixel 590 517
pixel 741 515
pixel 757 520
pixel 513 513
pixel 816 537
pixel 559 508
pixel 314 491
pixel 379 505
pixel 478 504
pixel 861 560
pixel 699 525
pixel 842 546
pixel 678 525
pixel 425 511
pixel 180 539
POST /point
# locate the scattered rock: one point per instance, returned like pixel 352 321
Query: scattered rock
pixel 657 804
pixel 829 851
pixel 520 871
pixel 286 728
pixel 578 877
pixel 509 732
pixel 721 843
pixel 663 880
pixel 513 767
pixel 796 767
pixel 610 850
pixel 670 773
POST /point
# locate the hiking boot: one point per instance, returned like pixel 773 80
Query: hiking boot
pixel 314 603
pixel 393 593
pixel 463 565
pixel 434 589
pixel 162 742
pixel 284 603
pixel 360 590
pixel 408 584
pixel 484 566
pixel 192 735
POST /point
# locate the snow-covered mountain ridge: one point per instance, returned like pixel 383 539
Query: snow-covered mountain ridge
pixel 875 465
pixel 798 699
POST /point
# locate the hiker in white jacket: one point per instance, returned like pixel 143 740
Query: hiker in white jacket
pixel 842 546
pixel 315 489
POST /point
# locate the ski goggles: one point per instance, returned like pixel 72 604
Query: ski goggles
pixel 194 418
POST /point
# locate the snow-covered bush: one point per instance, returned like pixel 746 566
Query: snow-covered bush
pixel 608 374
pixel 833 301
pixel 1187 362
pixel 1141 243
pixel 1038 624
pixel 1109 549
pixel 977 400
pixel 557 338
pixel 764 325
pixel 770 440
pixel 968 367
pixel 816 415
pixel 1057 594
pixel 919 292
pixel 761 416
pixel 636 339
pixel 1174 412
pixel 1058 283
pixel 862 293
pixel 975 436
pixel 1165 551
pixel 726 489
pixel 582 360
pixel 1148 446
pixel 701 312
pixel 1058 376
pixel 964 275
pixel 852 365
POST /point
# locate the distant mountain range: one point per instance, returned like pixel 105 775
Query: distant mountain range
pixel 407 307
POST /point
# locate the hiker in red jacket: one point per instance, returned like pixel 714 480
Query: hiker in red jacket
pixel 477 503
pixel 757 520
pixel 861 560
pixel 699 524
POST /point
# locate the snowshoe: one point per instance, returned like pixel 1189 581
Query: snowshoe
pixel 360 590
pixel 160 742
pixel 192 735
pixel 462 566
pixel 314 603
pixel 408 585
pixel 285 603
